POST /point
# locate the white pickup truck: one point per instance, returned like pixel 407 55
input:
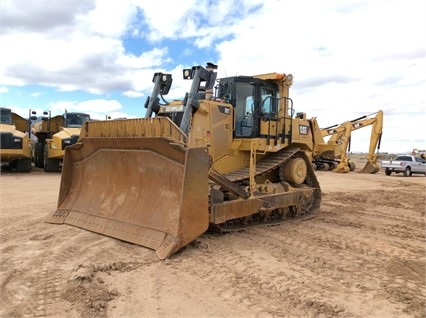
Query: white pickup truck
pixel 407 164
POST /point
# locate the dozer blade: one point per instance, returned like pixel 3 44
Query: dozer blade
pixel 370 168
pixel 147 191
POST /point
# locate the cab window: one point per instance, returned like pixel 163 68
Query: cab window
pixel 244 110
pixel 269 102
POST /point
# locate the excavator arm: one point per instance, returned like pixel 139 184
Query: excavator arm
pixel 376 135
pixel 345 137
pixel 342 134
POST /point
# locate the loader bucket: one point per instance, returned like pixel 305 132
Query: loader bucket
pixel 146 191
pixel 370 167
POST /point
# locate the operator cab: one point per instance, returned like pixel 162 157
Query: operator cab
pixel 254 100
pixel 6 116
pixel 75 120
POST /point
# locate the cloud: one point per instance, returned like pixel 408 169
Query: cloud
pixel 133 94
pixel 4 89
pixel 41 16
pixel 201 21
pixel 347 58
pixel 96 108
pixel 36 94
pixel 79 47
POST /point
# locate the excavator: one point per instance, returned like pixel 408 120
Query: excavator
pixel 232 154
pixel 334 153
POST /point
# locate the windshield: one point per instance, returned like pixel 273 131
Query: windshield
pixel 6 116
pixel 76 120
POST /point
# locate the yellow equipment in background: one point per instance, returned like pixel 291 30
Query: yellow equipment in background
pixel 54 134
pixel 15 146
pixel 419 152
pixel 333 154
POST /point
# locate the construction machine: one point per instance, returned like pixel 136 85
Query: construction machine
pixel 15 145
pixel 54 134
pixel 333 154
pixel 226 157
pixel 419 152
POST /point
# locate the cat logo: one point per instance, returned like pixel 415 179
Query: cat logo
pixel 303 130
pixel 224 109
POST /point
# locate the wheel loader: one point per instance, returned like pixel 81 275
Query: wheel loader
pixel 333 154
pixel 54 134
pixel 232 154
pixel 15 145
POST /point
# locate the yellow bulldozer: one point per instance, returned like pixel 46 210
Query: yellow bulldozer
pixel 228 156
pixel 15 145
pixel 333 154
pixel 54 134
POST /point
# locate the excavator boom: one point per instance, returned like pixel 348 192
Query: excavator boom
pixel 372 166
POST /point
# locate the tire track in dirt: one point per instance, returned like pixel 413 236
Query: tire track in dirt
pixel 272 285
pixel 325 243
pixel 285 270
pixel 358 240
pixel 42 285
pixel 47 287
pixel 52 251
pixel 361 256
pixel 14 227
pixel 401 259
pixel 310 268
pixel 395 222
pixel 364 213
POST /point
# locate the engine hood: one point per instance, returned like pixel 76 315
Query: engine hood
pixel 69 132
pixel 4 128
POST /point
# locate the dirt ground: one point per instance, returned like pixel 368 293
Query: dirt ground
pixel 362 255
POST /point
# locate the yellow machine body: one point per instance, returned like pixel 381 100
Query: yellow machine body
pixel 54 135
pixel 162 181
pixel 15 146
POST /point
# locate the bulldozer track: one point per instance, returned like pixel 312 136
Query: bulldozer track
pixel 265 166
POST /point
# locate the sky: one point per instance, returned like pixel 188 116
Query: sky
pixel 348 58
